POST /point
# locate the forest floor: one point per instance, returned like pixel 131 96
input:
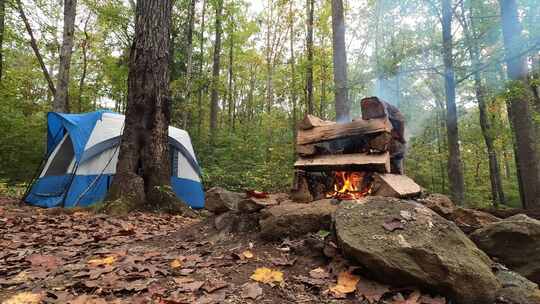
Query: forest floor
pixel 74 256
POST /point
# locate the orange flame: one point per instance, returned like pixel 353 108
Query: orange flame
pixel 349 185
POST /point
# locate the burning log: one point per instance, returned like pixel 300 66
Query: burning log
pixel 341 162
pixel 395 185
pixel 335 131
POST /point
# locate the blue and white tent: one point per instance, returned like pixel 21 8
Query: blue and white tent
pixel 82 152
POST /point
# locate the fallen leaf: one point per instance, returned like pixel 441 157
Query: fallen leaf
pixel 247 254
pixel 267 275
pixel 190 287
pixel 212 285
pixel 346 283
pixel 105 261
pixel 282 261
pixel 251 291
pixel 176 263
pixel 85 299
pixel 319 273
pixel 412 299
pixel 256 194
pixel 372 291
pixel 43 261
pixel 392 224
pixel 310 281
pixel 25 298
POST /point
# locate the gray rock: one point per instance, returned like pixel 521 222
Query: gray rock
pixel 515 242
pixel 429 252
pixel 219 200
pixel 516 289
pixel 296 219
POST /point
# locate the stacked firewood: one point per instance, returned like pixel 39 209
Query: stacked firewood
pixel 372 143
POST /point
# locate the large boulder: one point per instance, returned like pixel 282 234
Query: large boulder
pixel 515 288
pixel 219 200
pixel 468 220
pixel 405 243
pixel 515 242
pixel 296 219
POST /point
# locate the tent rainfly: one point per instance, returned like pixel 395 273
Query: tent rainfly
pixel 82 152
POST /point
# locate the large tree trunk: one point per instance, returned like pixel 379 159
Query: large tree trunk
pixel 215 75
pixel 497 192
pixel 455 170
pixel 2 23
pixel 143 171
pixel 309 46
pixel 189 64
pixel 230 80
pixel 519 107
pixel 33 44
pixel 340 62
pixel 61 98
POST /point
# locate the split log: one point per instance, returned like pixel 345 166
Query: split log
pixel 311 121
pixel 373 107
pixel 335 131
pixel 395 185
pixel 356 144
pixel 356 162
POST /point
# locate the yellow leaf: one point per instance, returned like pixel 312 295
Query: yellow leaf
pixel 267 275
pixel 247 254
pixel 176 263
pixel 346 283
pixel 105 261
pixel 25 298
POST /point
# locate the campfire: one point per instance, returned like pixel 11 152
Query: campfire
pixel 350 185
pixel 352 160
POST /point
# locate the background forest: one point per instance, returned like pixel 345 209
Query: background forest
pixel 270 62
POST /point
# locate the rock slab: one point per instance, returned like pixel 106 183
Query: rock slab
pixel 515 242
pixel 219 200
pixel 294 219
pixel 404 242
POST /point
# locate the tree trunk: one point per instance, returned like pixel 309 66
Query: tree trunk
pixel 189 64
pixel 2 24
pixel 230 72
pixel 61 98
pixel 33 44
pixel 142 179
pixel 215 75
pixel 520 111
pixel 309 46
pixel 292 63
pixel 455 170
pixel 497 192
pixel 84 47
pixel 340 62
pixel 201 67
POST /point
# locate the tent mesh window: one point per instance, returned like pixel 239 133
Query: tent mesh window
pixel 62 158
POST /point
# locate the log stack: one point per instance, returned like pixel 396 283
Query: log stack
pixel 363 145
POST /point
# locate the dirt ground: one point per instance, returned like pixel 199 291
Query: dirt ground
pixel 67 256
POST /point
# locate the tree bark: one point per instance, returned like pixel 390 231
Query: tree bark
pixel 230 72
pixel 61 98
pixel 214 98
pixel 292 63
pixel 201 67
pixel 33 44
pixel 520 112
pixel 84 47
pixel 309 47
pixel 340 62
pixel 142 179
pixel 2 24
pixel 455 170
pixel 497 192
pixel 189 64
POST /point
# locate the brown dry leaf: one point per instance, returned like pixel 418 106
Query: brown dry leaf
pixel 247 254
pixel 267 275
pixel 319 273
pixel 412 299
pixel 176 263
pixel 25 298
pixel 346 283
pixel 251 291
pixel 190 287
pixel 392 224
pixel 43 261
pixel 85 299
pixel 212 285
pixel 372 291
pixel 105 261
